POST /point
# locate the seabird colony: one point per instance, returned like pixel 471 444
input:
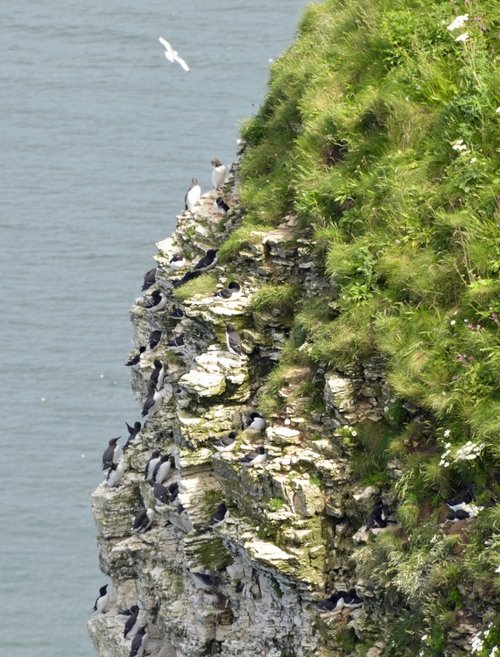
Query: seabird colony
pixel 159 470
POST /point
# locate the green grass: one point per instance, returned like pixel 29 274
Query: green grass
pixel 380 134
pixel 203 286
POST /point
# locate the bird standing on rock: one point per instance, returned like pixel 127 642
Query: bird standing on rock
pixel 136 359
pixel 151 465
pixel 226 443
pixel 139 642
pixel 156 302
pixel 132 623
pixel 221 206
pixel 149 279
pixel 254 458
pixel 208 261
pixel 154 339
pixel 219 172
pixel 102 600
pixel 143 520
pixel 233 340
pixel 193 195
pixel 256 422
pixel 115 474
pixel 112 453
pixel 162 469
pixel 232 291
pixel 133 432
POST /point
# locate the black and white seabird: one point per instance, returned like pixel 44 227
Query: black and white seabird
pixel 133 432
pixel 219 516
pixel 233 340
pixel 202 580
pixel 460 502
pixel 219 172
pixel 162 469
pixel 208 261
pixel 193 195
pixel 112 453
pixel 226 443
pixel 256 422
pixel 161 494
pixel 102 600
pixel 177 262
pixel 128 611
pixel 254 458
pixel 188 276
pixel 341 600
pixel 176 342
pixel 151 465
pixel 173 490
pixel 158 374
pixel 149 279
pixel 136 358
pixel 458 516
pixel 139 642
pixel 143 520
pixel 154 339
pixel 115 474
pixel 233 290
pixel 132 623
pixel 221 206
pixel 177 314
pixel 156 302
pixel 378 520
pixel 153 399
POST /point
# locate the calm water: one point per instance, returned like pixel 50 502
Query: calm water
pixel 100 139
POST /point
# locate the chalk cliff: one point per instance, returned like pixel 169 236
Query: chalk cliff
pixel 357 290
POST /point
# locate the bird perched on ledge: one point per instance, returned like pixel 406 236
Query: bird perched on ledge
pixel 156 302
pixel 233 341
pixel 136 358
pixel 102 600
pixel 149 279
pixel 112 453
pixel 219 172
pixel 254 458
pixel 221 206
pixel 193 195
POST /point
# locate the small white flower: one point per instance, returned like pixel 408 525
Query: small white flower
pixel 424 637
pixel 497 569
pixel 497 111
pixel 459 146
pixel 453 322
pixel 446 434
pixel 458 22
pixel 354 433
pixel 461 38
pixel 473 160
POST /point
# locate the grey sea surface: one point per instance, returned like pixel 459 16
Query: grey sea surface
pixel 100 139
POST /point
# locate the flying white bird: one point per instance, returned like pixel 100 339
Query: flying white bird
pixel 172 54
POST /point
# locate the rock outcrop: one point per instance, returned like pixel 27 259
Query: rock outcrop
pixel 280 546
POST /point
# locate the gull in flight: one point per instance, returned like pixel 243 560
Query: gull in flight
pixel 172 54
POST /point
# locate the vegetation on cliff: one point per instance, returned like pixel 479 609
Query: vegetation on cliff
pixel 379 136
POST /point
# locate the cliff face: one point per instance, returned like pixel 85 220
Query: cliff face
pixel 358 253
pixel 282 538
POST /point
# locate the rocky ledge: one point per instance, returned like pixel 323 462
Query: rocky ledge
pixel 293 527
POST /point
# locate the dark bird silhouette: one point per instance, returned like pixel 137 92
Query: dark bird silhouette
pixel 135 359
pixel 149 279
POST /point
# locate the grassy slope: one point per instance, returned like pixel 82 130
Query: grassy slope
pixel 359 136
